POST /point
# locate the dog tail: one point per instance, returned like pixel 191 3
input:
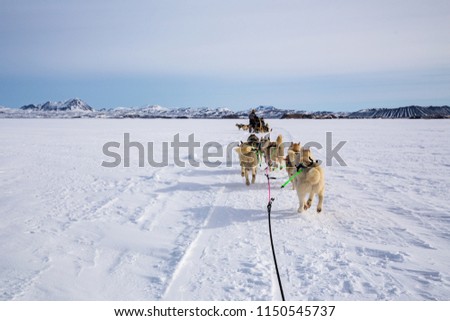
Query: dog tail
pixel 279 140
pixel 313 176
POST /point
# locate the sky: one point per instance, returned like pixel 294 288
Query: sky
pixel 337 55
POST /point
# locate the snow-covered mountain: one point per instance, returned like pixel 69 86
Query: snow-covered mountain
pixel 66 110
pixel 76 108
pixel 74 104
pixel 163 112
pixel 155 111
pixel 267 112
pixel 314 115
pixel 403 112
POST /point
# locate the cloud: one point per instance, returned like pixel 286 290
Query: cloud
pixel 247 38
pixel 289 53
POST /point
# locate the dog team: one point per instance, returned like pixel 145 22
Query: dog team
pixel 309 177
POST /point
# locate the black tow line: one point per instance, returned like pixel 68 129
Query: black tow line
pixel 269 209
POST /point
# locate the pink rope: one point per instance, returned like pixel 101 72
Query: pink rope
pixel 268 180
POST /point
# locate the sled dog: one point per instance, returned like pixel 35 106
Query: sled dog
pixel 248 160
pixel 242 126
pixel 310 181
pixel 273 151
pixel 292 160
pixel 253 141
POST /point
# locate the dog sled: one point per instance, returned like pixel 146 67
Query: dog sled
pixel 258 126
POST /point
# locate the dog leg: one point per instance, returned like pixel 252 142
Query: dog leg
pixel 319 206
pixel 301 200
pixel 293 181
pixel 275 165
pixel 279 163
pixel 253 175
pixel 310 200
pixel 291 173
pixel 301 207
pixel 242 171
pixel 247 182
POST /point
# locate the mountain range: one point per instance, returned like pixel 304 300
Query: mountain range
pixel 403 112
pixel 74 104
pixel 77 108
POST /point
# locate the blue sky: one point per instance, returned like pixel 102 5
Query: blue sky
pixel 313 55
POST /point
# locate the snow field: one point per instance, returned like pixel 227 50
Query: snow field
pixel 74 230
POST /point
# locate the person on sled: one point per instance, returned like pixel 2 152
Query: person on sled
pixel 253 121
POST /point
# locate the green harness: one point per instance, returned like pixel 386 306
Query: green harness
pixel 292 177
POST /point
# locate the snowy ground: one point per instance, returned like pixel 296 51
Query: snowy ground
pixel 74 230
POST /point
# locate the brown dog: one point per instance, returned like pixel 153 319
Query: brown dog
pixel 242 126
pixel 273 151
pixel 293 159
pixel 248 160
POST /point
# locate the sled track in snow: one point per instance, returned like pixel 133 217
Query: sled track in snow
pixel 192 255
pixel 236 223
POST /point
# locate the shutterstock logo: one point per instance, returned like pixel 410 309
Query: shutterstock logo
pixel 213 154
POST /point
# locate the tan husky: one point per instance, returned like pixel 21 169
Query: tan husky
pixel 273 151
pixel 292 160
pixel 248 160
pixel 310 181
pixel 242 126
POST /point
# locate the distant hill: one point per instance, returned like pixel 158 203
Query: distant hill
pixel 163 112
pixel 403 112
pixel 77 108
pixel 74 104
pixel 267 112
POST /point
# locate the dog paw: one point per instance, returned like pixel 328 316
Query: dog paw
pixel 300 209
pixel 308 203
pixel 319 209
pixel 247 183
